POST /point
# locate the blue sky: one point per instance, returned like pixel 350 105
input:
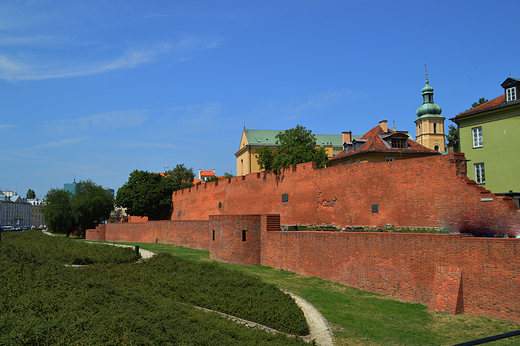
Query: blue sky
pixel 96 89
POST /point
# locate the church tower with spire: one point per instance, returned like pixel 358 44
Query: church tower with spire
pixel 429 123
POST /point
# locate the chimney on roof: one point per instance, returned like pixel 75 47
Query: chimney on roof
pixel 200 170
pixel 384 125
pixel 347 136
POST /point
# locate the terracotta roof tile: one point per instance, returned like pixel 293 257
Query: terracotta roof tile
pixel 375 143
pixel 496 102
pixel 207 173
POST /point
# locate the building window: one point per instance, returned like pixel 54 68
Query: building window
pixel 511 94
pixel 480 175
pixel 436 148
pixel 243 235
pixel 399 143
pixel 434 128
pixel 389 159
pixel 477 137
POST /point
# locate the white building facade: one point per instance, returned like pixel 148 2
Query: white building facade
pixel 15 211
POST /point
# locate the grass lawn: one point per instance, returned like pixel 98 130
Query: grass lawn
pixel 363 318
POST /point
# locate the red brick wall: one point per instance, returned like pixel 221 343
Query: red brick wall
pixel 405 266
pixel 447 292
pixel 193 234
pixel 420 192
pixel 97 234
pixel 228 242
pixel 452 273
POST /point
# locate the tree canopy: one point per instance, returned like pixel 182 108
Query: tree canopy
pixel 181 176
pixel 57 211
pixel 481 101
pixel 453 137
pixel 65 212
pixel 90 205
pixel 150 194
pixel 296 145
pixel 30 194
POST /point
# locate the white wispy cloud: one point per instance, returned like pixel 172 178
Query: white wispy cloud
pixel 99 122
pixel 61 143
pixel 6 126
pixel 319 100
pixel 38 66
pixel 193 118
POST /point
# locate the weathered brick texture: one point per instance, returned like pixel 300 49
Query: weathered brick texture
pixel 405 266
pixel 236 238
pixel 420 192
pixel 447 290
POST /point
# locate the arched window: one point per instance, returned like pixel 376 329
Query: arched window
pixel 436 148
pixel 434 128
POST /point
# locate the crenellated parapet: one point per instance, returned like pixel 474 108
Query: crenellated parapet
pixel 431 192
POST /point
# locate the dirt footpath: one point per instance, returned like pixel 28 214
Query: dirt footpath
pixel 318 325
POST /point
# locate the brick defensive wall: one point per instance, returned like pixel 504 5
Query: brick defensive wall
pixel 422 192
pixel 238 220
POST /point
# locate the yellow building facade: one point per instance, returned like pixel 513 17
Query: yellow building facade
pixel 253 140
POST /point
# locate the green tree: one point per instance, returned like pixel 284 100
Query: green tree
pixel 57 211
pixel 228 175
pixel 90 205
pixel 481 101
pixel 296 145
pixel 30 194
pixel 453 137
pixel 65 212
pixel 147 194
pixel 265 158
pixel 181 176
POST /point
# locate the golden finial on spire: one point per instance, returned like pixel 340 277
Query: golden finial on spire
pixel 425 70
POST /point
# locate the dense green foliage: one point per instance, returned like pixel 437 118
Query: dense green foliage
pixel 30 194
pixel 150 194
pixel 57 211
pixel 65 212
pixel 453 137
pixel 43 302
pixel 296 145
pixel 43 248
pixel 181 176
pixel 481 101
pixel 90 205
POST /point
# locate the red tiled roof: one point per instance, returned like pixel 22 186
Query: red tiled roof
pixel 496 102
pixel 207 173
pixel 374 143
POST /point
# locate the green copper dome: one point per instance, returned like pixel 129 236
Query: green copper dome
pixel 428 107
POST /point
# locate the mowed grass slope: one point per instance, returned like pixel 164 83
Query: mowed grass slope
pixel 363 318
pixel 115 301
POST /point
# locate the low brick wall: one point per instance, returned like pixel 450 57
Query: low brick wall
pixel 450 273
